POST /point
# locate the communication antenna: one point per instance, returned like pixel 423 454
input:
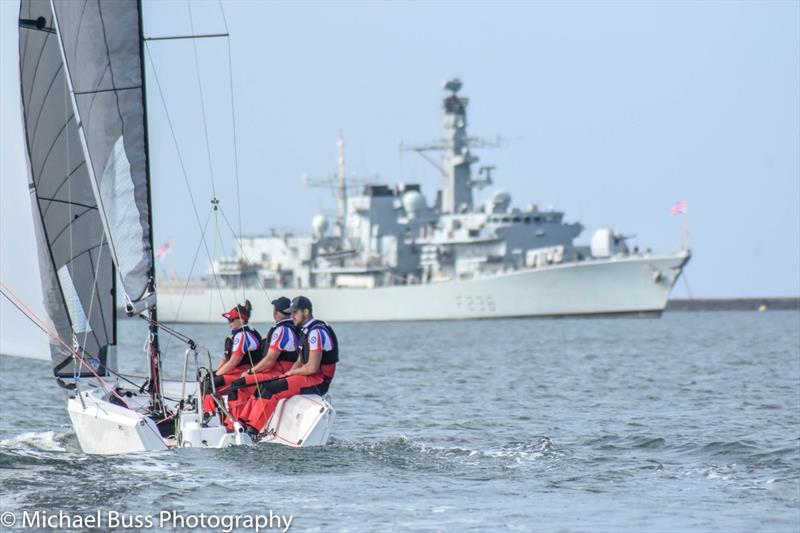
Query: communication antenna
pixel 338 183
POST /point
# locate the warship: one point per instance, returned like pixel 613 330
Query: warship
pixel 391 254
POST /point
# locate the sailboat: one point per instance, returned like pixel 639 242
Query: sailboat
pixel 84 111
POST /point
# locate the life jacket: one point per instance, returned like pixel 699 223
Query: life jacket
pixel 254 355
pixel 285 355
pixel 329 357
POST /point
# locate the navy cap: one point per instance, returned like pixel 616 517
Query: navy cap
pixel 300 302
pixel 282 304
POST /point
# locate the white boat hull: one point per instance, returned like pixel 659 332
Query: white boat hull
pixel 105 428
pixel 301 421
pixel 624 285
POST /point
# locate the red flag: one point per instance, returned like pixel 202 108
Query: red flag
pixel 164 251
pixel 680 208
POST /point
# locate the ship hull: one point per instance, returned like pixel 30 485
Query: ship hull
pixel 625 286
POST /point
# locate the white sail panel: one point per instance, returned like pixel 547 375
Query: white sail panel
pixel 118 191
pixel 77 315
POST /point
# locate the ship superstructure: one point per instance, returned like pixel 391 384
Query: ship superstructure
pixel 393 237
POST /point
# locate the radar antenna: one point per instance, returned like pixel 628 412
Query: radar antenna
pixel 457 159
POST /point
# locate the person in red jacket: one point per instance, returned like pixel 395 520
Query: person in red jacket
pixel 281 345
pixel 312 373
pixel 241 352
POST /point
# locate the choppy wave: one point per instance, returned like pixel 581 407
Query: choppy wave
pixel 403 452
pixel 664 431
pixel 40 448
pixel 42 440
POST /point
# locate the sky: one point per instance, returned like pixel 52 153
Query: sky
pixel 610 111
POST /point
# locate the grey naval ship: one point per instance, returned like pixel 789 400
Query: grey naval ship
pixel 391 254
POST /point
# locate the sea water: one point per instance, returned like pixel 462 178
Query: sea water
pixel 688 422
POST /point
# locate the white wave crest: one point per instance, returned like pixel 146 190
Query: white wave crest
pixel 42 440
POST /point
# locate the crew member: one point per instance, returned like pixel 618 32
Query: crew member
pixel 312 373
pixel 281 354
pixel 241 352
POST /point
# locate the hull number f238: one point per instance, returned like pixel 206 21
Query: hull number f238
pixel 475 303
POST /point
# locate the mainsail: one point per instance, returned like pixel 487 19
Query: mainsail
pixel 83 112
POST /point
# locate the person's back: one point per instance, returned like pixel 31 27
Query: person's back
pixel 312 373
pixel 317 335
pixel 241 352
pixel 277 355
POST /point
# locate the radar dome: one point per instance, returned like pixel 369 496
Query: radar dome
pixel 319 225
pixel 499 202
pixel 413 203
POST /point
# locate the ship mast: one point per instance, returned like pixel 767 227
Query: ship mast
pixel 457 159
pixel 342 187
pixel 339 184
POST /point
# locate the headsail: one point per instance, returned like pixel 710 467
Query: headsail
pixel 78 279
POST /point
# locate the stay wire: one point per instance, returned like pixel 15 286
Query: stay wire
pixel 233 121
pixel 30 315
pixel 7 293
pixel 202 101
pixel 77 372
pixel 183 168
pixel 189 277
pixel 244 255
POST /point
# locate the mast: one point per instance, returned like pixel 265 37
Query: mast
pixel 156 400
pixel 456 159
pixel 342 188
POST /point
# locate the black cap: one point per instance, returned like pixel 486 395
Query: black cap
pixel 300 302
pixel 282 304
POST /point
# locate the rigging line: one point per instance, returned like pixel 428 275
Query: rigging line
pixel 189 277
pixel 177 334
pixel 214 241
pixel 180 160
pixel 99 299
pixel 16 302
pixel 202 102
pixel 247 259
pixel 218 240
pixel 94 291
pixel 233 121
pixel 70 222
